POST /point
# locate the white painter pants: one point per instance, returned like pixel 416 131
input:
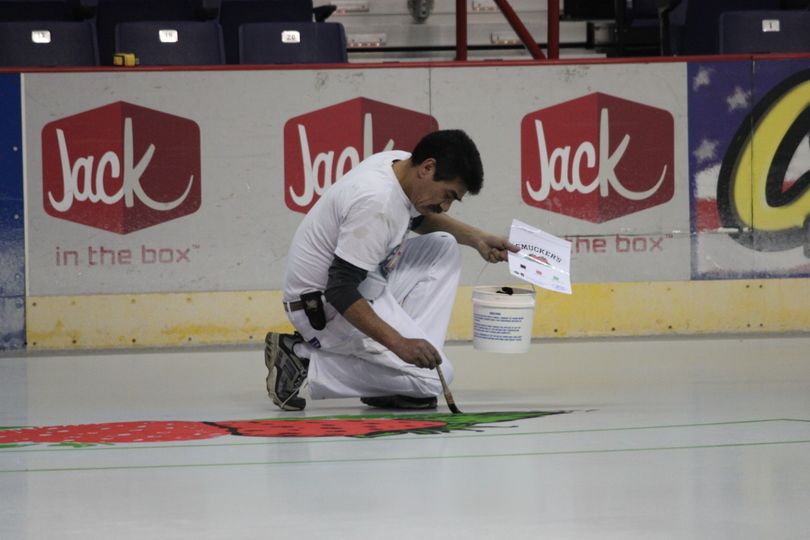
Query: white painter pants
pixel 417 302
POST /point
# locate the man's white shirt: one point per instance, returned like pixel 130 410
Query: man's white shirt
pixel 362 219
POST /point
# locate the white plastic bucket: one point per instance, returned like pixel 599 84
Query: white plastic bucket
pixel 502 322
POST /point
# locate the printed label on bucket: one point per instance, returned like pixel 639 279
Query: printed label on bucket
pixel 502 319
pixel 494 325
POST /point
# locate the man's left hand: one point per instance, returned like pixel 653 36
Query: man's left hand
pixel 495 248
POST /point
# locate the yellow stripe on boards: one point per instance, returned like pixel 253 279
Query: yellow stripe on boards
pixel 594 310
pixel 153 320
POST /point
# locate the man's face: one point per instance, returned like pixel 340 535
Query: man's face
pixel 434 197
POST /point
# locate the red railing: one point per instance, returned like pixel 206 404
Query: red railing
pixel 517 25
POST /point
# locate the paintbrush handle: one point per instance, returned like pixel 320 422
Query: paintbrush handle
pixel 451 403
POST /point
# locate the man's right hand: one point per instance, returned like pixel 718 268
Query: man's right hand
pixel 418 352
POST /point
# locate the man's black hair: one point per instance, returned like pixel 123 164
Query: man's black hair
pixel 456 157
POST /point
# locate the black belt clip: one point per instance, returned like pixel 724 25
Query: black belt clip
pixel 313 307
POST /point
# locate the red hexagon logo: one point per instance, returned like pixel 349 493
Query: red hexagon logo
pixel 598 158
pixel 121 167
pixel 321 146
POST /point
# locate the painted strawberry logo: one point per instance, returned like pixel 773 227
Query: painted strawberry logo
pixel 327 427
pixel 335 426
pixel 112 432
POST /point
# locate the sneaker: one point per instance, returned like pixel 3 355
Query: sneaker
pixel 400 402
pixel 286 371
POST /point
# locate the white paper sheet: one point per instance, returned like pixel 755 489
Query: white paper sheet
pixel 543 259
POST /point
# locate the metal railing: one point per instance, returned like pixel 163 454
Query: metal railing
pixel 517 25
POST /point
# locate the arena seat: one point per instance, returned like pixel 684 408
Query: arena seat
pixel 110 13
pixel 235 13
pixel 172 43
pixel 292 43
pixel 48 43
pixel 764 31
pixel 699 32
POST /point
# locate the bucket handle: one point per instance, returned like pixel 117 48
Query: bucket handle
pixel 504 290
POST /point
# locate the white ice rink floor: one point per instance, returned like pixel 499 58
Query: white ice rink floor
pixel 663 439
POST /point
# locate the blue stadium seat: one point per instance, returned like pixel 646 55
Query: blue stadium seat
pixel 110 13
pixel 700 31
pixel 37 10
pixel 48 43
pixel 172 43
pixel 292 43
pixel 234 13
pixel 764 31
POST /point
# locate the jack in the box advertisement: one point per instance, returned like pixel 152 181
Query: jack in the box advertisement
pixel 138 190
